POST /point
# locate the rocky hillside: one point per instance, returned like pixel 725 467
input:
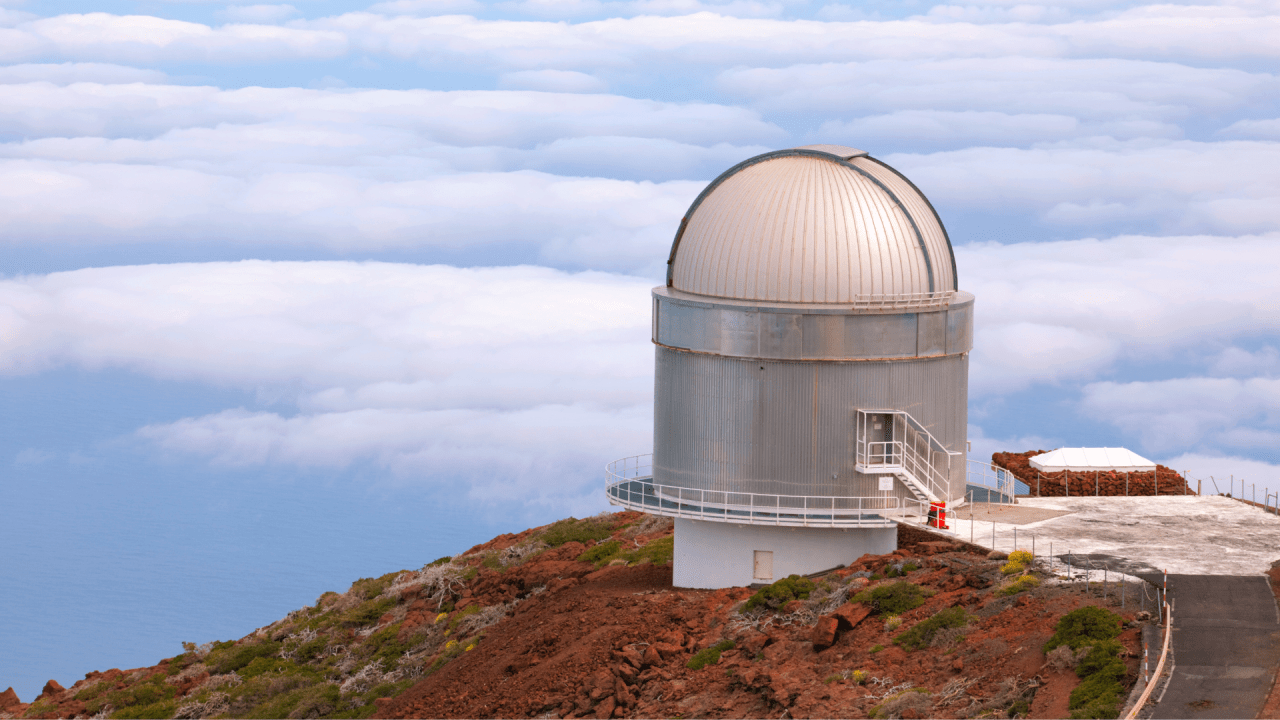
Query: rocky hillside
pixel 579 619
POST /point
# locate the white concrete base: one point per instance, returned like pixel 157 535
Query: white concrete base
pixel 719 555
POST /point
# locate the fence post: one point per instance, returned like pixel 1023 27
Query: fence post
pixel 1126 483
pixel 1037 483
pixel 1096 491
pixel 1199 486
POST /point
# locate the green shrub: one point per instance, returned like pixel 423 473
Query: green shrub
pixel 891 623
pixel 859 676
pixel 154 711
pixel 1102 658
pixel 922 634
pixel 657 552
pixel 709 656
pixel 892 599
pixel 1085 626
pixel 369 588
pixel 601 553
pixel 574 530
pixel 875 649
pixel 792 587
pixel 40 707
pixel 311 650
pixel 387 649
pixel 232 659
pixel 135 701
pixel 441 561
pixel 279 706
pixel 318 701
pixel 471 609
pixel 368 612
pixel 1098 696
pixel 1101 671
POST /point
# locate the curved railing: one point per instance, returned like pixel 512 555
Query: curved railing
pixel 629 483
pixel 997 481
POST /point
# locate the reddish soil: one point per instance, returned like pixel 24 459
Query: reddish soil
pixel 1170 481
pixel 616 642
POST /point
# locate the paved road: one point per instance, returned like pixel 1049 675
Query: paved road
pixel 1226 647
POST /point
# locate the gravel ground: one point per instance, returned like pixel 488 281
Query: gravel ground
pixel 1207 535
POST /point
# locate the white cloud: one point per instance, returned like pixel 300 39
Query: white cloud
pixel 551 81
pixel 458 118
pixel 426 7
pixel 708 38
pixel 1191 412
pixel 929 128
pixel 536 454
pixel 1089 89
pixel 68 72
pixel 1260 129
pixel 324 325
pixel 366 170
pixel 144 38
pixel 259 13
pixel 1223 473
pixel 983 446
pixel 1234 361
pixel 521 380
pixel 1175 187
pixel 578 222
pixel 709 35
pixel 1066 311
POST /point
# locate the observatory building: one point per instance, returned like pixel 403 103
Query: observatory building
pixel 812 369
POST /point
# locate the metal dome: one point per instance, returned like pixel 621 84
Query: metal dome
pixel 816 224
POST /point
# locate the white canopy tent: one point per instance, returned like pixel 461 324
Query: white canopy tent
pixel 1091 459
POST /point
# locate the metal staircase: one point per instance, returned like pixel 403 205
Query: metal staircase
pixel 894 443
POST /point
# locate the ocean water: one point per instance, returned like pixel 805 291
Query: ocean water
pixel 111 557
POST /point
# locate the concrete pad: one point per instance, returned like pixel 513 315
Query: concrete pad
pixel 1205 535
pixel 1012 514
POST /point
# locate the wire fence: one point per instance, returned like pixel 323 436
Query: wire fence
pixel 993 483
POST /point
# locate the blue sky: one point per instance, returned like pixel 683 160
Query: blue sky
pixel 297 293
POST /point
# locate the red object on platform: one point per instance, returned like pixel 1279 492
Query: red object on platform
pixel 938 515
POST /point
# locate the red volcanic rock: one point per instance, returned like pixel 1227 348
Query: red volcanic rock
pixel 1164 481
pixel 852 614
pixel 52 688
pixel 825 632
pixel 9 699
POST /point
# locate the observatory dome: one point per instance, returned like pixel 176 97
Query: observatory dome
pixel 816 224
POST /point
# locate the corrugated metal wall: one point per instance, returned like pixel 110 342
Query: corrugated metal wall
pixel 787 428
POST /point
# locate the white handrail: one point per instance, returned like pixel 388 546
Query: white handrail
pixel 1006 483
pixel 1146 693
pixel 758 508
pixel 903 454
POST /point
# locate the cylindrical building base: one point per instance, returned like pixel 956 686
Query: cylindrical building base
pixel 719 555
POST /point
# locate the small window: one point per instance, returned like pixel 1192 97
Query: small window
pixel 763 565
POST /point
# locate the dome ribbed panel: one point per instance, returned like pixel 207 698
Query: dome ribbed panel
pixel 810 230
pixel 935 238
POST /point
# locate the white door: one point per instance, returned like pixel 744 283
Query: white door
pixel 763 565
